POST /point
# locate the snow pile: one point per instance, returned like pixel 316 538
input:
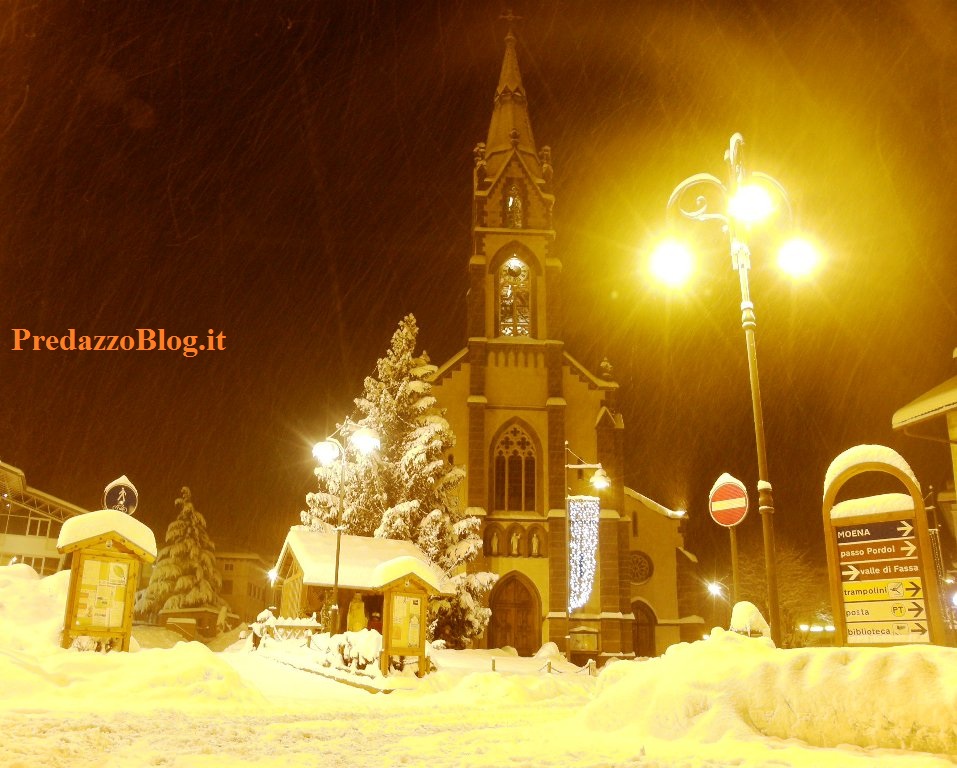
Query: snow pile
pixel 746 619
pixel 349 651
pixel 31 608
pixel 740 687
pixel 729 701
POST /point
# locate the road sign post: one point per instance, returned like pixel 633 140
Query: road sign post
pixel 883 582
pixel 728 504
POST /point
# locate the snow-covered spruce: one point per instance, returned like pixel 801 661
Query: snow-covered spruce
pixel 407 490
pixel 185 574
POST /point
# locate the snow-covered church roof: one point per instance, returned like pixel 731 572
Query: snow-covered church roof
pixel 364 562
pixel 81 528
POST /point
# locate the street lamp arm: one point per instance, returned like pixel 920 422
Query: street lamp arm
pixel 702 181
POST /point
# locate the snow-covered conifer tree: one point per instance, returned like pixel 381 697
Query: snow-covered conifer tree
pixel 185 574
pixel 407 490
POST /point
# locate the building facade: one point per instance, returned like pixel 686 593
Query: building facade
pixel 933 416
pixel 30 522
pixel 246 586
pixel 527 414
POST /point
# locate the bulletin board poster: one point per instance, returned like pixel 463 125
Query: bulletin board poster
pixel 101 597
pixel 407 630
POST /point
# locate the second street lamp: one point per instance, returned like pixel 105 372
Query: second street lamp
pixel 327 453
pixel 745 200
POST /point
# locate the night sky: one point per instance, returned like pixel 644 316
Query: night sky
pixel 297 176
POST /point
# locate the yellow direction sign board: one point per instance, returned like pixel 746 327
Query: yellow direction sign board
pixel 883 579
pixel 893 589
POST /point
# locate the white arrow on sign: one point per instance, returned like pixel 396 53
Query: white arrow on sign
pixel 909 548
pixel 905 528
pixel 851 573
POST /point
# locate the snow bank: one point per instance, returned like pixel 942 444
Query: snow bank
pixel 739 687
pixel 31 608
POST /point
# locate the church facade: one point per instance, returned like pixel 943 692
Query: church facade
pixel 532 423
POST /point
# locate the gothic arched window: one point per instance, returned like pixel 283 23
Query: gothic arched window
pixel 514 298
pixel 513 208
pixel 514 461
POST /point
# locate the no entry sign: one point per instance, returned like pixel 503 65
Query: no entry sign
pixel 728 501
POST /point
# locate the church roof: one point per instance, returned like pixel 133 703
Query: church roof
pixel 510 126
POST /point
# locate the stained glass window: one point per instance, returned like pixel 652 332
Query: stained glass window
pixel 514 298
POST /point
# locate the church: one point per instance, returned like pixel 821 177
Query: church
pixel 599 573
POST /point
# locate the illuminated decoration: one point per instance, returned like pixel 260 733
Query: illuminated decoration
pixel 514 298
pixel 583 512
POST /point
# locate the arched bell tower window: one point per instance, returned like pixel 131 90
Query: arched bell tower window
pixel 514 298
pixel 513 208
pixel 514 481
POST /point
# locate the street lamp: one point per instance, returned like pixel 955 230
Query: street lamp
pixel 327 452
pixel 716 590
pixel 746 200
pixel 582 523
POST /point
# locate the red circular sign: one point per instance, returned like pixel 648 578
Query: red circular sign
pixel 728 503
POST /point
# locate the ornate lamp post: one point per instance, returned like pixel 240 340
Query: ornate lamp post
pixel 743 201
pixel 327 453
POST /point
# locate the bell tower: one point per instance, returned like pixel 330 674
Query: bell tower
pixel 518 403
pixel 513 275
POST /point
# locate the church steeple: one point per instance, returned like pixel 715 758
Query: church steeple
pixel 514 270
pixel 510 126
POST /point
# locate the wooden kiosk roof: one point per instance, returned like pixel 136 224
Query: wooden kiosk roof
pixel 93 527
pixel 365 563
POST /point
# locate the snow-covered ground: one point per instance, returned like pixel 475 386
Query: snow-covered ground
pixel 727 701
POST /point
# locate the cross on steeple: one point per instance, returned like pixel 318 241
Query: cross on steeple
pixel 509 17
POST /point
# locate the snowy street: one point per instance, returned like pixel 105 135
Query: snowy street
pixel 337 726
pixel 727 701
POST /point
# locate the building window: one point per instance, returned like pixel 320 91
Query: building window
pixel 514 480
pixel 38 527
pixel 227 566
pixel 639 567
pixel 513 208
pixel 514 298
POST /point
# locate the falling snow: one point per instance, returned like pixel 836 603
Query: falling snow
pixel 295 177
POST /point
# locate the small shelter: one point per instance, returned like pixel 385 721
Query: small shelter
pixel 109 548
pixel 391 577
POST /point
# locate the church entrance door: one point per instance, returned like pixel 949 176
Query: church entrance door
pixel 515 617
pixel 644 632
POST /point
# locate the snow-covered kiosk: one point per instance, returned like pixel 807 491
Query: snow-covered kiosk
pixel 109 548
pixel 390 577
